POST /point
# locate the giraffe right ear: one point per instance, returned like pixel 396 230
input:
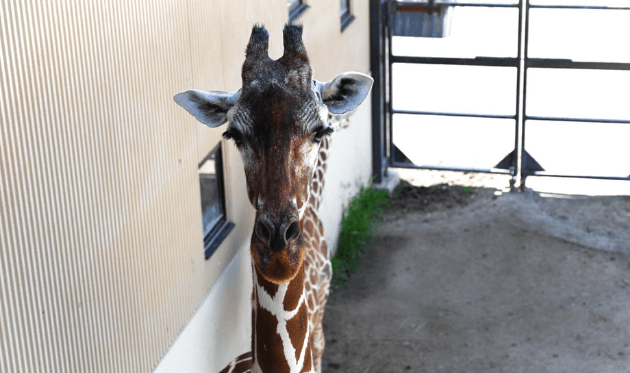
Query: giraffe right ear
pixel 346 92
pixel 210 108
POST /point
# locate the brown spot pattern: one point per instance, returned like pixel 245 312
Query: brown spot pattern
pixel 308 363
pixel 308 226
pixel 317 345
pixel 269 344
pixel 306 235
pixel 316 235
pixel 319 164
pixel 297 328
pixel 294 291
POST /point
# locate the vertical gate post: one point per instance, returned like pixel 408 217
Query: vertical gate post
pixel 514 170
pixel 377 51
pixel 524 169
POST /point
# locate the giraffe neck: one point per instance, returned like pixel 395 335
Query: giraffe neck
pixel 280 332
pixel 317 184
pixel 337 122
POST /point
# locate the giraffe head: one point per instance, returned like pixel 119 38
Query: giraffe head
pixel 277 121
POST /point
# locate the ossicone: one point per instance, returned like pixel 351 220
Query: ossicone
pixel 258 45
pixel 293 44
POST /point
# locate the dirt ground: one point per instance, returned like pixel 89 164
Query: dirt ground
pixel 480 280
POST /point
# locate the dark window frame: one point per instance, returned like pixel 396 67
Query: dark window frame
pixel 296 10
pixel 219 232
pixel 347 17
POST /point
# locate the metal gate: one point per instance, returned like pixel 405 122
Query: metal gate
pixel 518 162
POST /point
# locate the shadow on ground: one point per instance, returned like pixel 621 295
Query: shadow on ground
pixel 473 282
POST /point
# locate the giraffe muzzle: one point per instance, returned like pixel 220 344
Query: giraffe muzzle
pixel 277 235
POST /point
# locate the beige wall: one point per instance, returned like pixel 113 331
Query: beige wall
pixel 101 253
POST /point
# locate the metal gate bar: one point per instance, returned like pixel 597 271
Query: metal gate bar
pixel 553 63
pixel 587 120
pixel 477 61
pixel 495 116
pixel 578 7
pixel 397 159
pixel 387 155
pixel 412 4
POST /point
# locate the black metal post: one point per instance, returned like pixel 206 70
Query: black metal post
pixel 524 170
pixel 389 19
pixel 518 117
pixel 378 102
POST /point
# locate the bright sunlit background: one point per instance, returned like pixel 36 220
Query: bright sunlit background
pixel 576 148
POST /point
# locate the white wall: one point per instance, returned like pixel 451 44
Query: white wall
pixel 349 168
pixel 220 329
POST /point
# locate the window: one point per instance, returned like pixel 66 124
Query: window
pixel 215 225
pixel 346 16
pixel 296 8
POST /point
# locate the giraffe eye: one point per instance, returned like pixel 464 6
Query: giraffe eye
pixel 234 135
pixel 319 134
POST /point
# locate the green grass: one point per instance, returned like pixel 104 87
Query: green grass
pixel 358 227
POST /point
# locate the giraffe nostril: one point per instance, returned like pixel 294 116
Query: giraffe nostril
pixel 291 232
pixel 263 231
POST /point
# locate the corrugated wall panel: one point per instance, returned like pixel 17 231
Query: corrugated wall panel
pixel 101 257
pixel 330 50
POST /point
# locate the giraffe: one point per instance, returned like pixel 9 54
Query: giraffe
pixel 279 121
pixel 317 264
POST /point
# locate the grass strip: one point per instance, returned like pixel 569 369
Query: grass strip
pixel 358 227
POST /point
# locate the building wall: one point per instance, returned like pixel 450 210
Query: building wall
pixel 101 252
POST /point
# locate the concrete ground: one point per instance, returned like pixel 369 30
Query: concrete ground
pixel 484 281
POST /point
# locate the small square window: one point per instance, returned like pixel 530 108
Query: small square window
pixel 296 8
pixel 215 224
pixel 346 15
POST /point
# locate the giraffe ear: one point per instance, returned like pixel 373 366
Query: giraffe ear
pixel 210 108
pixel 346 92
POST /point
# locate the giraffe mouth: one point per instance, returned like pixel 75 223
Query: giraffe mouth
pixel 278 266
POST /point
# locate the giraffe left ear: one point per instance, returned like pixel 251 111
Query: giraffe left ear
pixel 346 92
pixel 210 108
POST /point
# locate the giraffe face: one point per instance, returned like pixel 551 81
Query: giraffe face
pixel 277 125
pixel 277 120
